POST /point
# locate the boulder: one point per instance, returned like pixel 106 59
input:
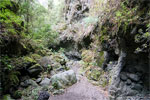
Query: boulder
pixel 137 87
pixel 73 55
pixel 26 62
pixel 38 80
pixel 64 79
pixel 35 70
pixel 45 81
pixel 28 82
pixel 44 95
pixel 23 63
pixel 129 82
pixel 49 63
pixel 123 77
pixel 133 77
pixel 131 69
pixel 45 61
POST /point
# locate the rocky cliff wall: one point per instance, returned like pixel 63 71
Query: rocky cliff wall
pixel 126 61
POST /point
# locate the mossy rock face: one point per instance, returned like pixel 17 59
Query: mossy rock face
pixel 35 70
pixel 23 62
pixel 53 62
pixel 95 75
pixel 35 56
pixel 62 80
pixel 100 60
pixel 59 59
pixel 31 93
pixel 42 52
pixel 29 59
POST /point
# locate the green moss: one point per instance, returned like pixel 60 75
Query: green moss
pixel 95 75
pixel 100 59
pixel 7 97
pixel 31 93
pixel 17 94
pixel 42 52
pixel 35 56
pixel 35 66
pixel 104 83
pixel 28 59
pixel 8 16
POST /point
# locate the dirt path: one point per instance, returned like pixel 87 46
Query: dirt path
pixel 82 90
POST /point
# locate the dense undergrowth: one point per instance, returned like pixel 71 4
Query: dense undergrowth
pixel 24 38
pixel 128 15
pixel 28 31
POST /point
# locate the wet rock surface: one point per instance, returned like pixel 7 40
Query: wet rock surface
pixel 35 70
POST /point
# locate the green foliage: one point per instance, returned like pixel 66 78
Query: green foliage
pixel 9 19
pixel 56 11
pixel 119 22
pixel 31 93
pixel 144 38
pixel 49 67
pixel 28 59
pixel 13 77
pixel 7 97
pixel 46 36
pixel 101 59
pixel 35 56
pixel 17 94
pixel 125 15
pixel 4 3
pixel 38 22
pixel 61 50
pixel 6 62
pixel 95 75
pixel 10 74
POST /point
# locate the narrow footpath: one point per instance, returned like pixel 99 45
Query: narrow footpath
pixel 82 90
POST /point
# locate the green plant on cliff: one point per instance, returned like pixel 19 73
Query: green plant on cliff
pixel 125 16
pixel 8 18
pixel 11 75
pixel 144 38
pixel 119 21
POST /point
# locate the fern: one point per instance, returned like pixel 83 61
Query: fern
pixel 4 3
pixel 13 77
